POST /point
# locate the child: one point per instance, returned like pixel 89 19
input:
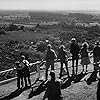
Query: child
pixel 84 56
pixel 26 71
pixel 19 74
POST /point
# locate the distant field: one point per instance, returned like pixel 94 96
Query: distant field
pixel 21 36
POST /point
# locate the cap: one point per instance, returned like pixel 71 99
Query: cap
pixel 17 62
pixel 73 39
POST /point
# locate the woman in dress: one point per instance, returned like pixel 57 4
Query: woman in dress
pixel 84 56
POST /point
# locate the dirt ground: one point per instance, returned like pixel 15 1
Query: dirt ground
pixel 76 91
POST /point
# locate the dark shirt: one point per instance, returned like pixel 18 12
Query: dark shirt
pixel 74 49
pixel 19 71
pixel 50 55
pixel 62 55
pixel 53 91
pixel 96 51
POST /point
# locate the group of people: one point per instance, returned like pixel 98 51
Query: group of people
pixel 53 91
pixel 23 72
pixel 75 51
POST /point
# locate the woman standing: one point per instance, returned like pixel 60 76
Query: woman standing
pixel 84 56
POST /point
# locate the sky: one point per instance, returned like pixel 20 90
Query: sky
pixel 50 5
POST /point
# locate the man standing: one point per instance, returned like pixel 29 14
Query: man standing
pixel 96 53
pixel 74 50
pixel 50 56
pixel 62 55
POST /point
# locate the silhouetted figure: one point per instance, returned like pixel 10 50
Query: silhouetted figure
pixel 92 78
pixel 84 55
pixel 50 57
pixel 67 82
pixel 19 74
pixel 26 71
pixel 98 86
pixel 53 90
pixel 62 55
pixel 74 50
pixel 96 53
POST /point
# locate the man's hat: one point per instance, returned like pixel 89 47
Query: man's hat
pixel 73 39
pixel 17 62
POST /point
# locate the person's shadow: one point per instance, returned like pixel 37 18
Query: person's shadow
pixel 37 90
pixel 79 77
pixel 13 94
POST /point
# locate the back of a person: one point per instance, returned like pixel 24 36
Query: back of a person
pixel 26 71
pixel 50 55
pixel 96 51
pixel 62 55
pixel 19 70
pixel 74 49
pixel 54 91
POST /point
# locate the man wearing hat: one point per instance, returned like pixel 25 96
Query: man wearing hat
pixel 96 53
pixel 50 57
pixel 74 50
pixel 53 90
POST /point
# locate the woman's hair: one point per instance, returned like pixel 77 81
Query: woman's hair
pixel 85 45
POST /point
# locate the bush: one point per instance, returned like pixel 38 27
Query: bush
pixel 2 32
pixel 41 46
pixel 12 27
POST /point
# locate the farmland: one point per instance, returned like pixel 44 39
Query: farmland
pixel 26 31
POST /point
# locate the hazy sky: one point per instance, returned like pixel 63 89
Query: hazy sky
pixel 50 4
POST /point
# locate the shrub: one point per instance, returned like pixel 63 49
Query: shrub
pixel 12 27
pixel 2 32
pixel 41 46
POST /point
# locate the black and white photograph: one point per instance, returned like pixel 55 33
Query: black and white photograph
pixel 49 50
